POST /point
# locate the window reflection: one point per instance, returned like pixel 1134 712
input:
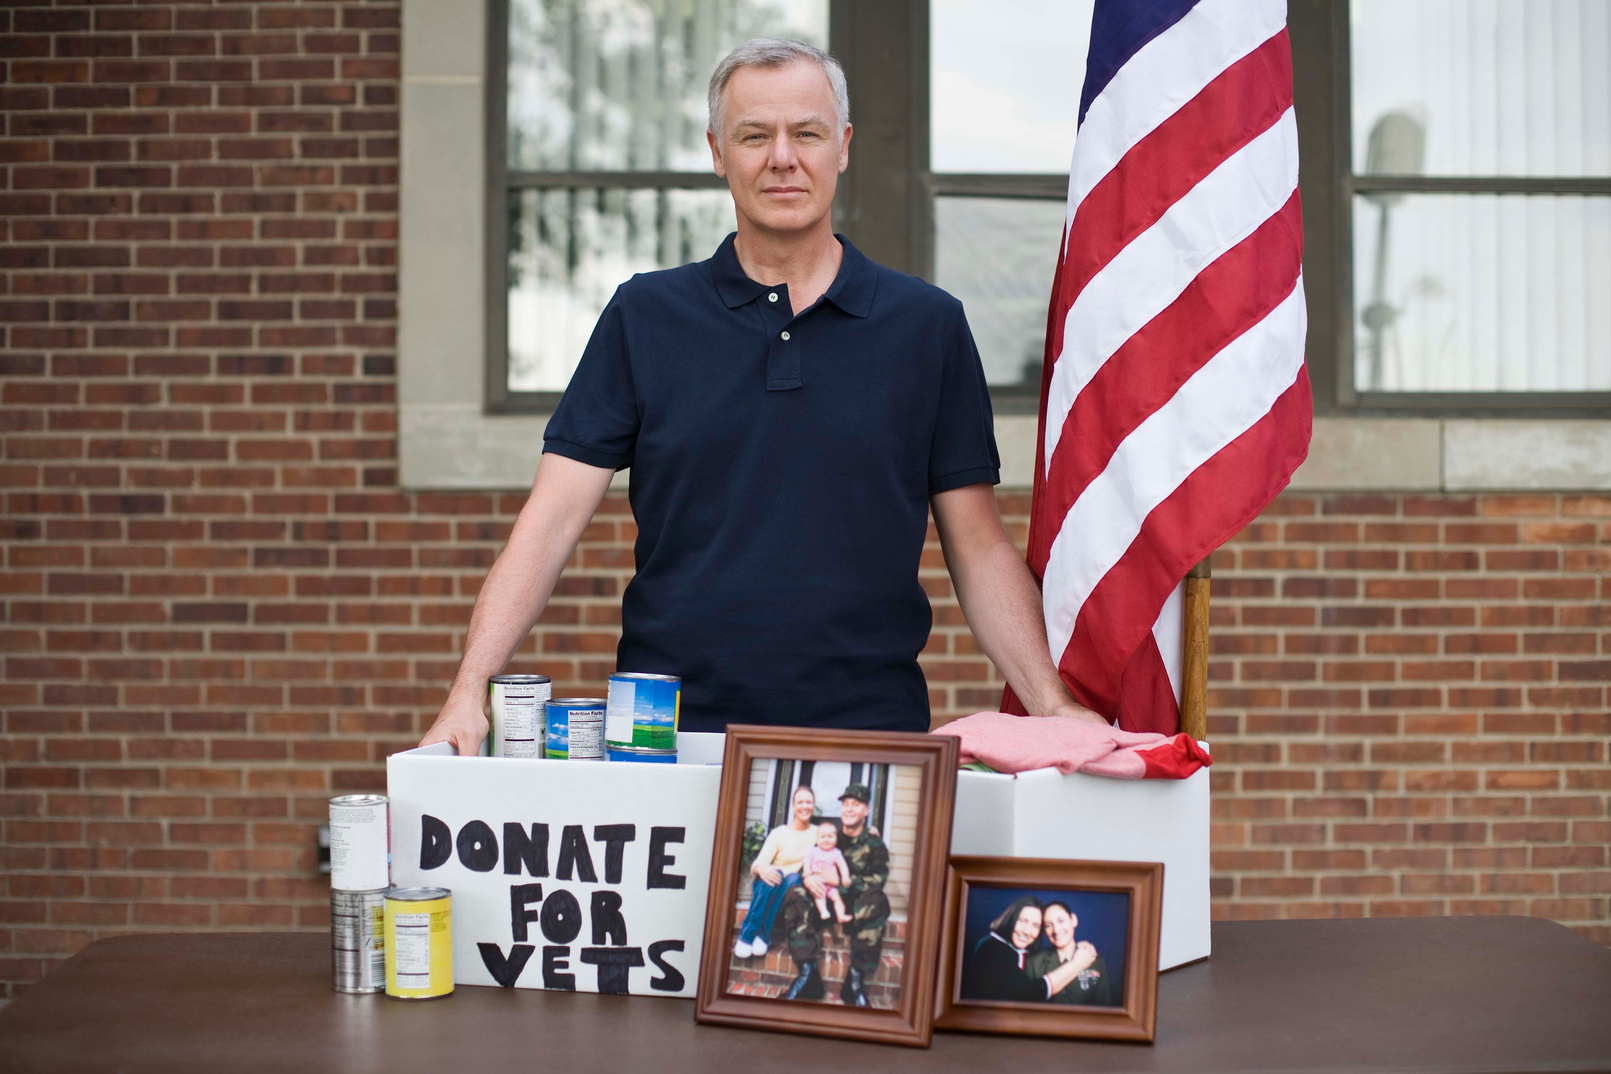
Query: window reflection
pixel 1482 292
pixel 1497 87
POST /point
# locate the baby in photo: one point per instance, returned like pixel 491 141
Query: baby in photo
pixel 826 862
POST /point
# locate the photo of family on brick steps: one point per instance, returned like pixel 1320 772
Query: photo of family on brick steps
pixel 824 882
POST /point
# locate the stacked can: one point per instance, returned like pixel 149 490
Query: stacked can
pixel 575 729
pixel 517 713
pixel 360 872
pixel 642 713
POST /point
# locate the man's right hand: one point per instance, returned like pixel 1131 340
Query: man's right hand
pixel 460 722
pixel 816 885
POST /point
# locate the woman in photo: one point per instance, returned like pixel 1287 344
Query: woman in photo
pixel 775 870
pixel 997 968
pixel 1091 987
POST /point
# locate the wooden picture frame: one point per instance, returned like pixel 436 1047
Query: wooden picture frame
pixel 907 1015
pixel 1131 1019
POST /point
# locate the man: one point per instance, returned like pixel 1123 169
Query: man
pixel 868 859
pixel 790 412
pixel 1091 987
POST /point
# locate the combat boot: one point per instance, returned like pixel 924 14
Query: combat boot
pixel 808 985
pixel 854 991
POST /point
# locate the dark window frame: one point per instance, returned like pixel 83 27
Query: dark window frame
pixel 1322 91
pixel 885 201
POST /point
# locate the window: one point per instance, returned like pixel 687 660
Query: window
pixel 598 163
pixel 1472 245
pixel 1001 135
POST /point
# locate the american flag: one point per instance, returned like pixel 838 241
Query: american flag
pixel 1174 404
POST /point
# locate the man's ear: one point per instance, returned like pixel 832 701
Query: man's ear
pixel 716 155
pixel 844 147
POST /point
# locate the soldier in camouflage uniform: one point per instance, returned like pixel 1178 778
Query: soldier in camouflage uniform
pixel 868 859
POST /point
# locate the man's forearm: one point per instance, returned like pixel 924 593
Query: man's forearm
pixel 1003 609
pixel 523 577
pixel 1000 600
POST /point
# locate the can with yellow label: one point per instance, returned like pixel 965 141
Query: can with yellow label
pixel 419 943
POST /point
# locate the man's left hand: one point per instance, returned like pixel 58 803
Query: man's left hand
pixel 1074 711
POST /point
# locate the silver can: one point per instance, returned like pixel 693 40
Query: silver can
pixel 358 941
pixel 360 843
pixel 517 713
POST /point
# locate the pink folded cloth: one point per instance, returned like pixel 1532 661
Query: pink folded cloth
pixel 1023 743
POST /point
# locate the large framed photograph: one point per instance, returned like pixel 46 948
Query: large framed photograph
pixel 1051 948
pixel 827 883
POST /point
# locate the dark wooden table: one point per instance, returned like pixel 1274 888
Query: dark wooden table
pixel 1424 995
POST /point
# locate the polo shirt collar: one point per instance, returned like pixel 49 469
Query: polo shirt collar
pixel 852 289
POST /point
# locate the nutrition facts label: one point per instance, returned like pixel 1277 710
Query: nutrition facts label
pixel 587 735
pixel 413 935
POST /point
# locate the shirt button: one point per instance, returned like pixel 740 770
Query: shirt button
pixel 773 297
pixel 785 337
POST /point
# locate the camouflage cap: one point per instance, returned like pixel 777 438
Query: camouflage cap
pixel 859 792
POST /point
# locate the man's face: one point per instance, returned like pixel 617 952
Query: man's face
pixel 852 812
pixel 779 150
pixel 1059 927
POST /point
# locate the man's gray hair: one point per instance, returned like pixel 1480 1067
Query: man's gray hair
pixel 775 52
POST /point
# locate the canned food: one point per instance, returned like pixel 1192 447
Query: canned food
pixel 360 843
pixel 575 729
pixel 517 713
pixel 643 710
pixel 419 942
pixel 357 940
pixel 642 756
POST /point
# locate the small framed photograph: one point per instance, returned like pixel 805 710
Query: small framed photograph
pixel 828 883
pixel 1043 947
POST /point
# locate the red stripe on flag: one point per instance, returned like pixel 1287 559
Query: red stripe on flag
pixel 1231 295
pixel 1241 103
pixel 1215 501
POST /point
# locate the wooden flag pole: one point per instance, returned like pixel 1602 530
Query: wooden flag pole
pixel 1194 664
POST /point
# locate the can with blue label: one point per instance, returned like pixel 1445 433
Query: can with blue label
pixel 643 710
pixel 575 729
pixel 640 755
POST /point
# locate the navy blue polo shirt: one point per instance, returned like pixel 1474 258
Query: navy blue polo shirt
pixel 781 472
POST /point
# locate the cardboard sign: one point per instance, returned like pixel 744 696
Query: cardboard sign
pixel 566 875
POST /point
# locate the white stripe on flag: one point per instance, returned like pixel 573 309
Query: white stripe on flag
pixel 1161 78
pixel 1220 402
pixel 1170 634
pixel 1142 280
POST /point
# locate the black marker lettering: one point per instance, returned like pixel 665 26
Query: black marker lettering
pixel 615 966
pixel 520 897
pixel 556 960
pixel 673 979
pixel 562 917
pixel 505 971
pixel 615 837
pixel 573 851
pixel 436 843
pixel 608 924
pixel 659 859
pixel 478 847
pixel 519 849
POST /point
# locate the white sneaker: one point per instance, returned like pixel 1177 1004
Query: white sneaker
pixel 759 946
pixel 742 950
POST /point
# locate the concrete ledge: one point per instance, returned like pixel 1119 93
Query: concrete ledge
pixel 1480 455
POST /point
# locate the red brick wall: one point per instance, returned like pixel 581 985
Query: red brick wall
pixel 217 608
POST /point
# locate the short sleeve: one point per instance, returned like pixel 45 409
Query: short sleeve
pixel 963 451
pixel 596 421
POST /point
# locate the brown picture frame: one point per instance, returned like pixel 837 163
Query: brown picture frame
pixel 911 1023
pixel 1134 1021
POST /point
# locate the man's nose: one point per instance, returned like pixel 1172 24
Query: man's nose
pixel 782 157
